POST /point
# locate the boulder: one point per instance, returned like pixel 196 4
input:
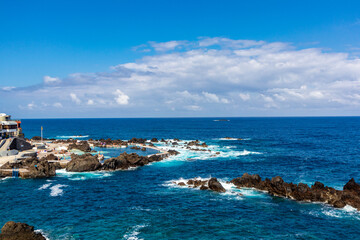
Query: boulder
pixel 82 146
pixel 115 163
pixel 42 169
pixel 173 152
pixel 49 157
pixel 125 161
pixel 137 140
pixel 19 231
pixel 83 163
pixel 214 185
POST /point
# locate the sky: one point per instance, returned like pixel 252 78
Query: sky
pixel 79 59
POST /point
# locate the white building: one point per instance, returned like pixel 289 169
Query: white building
pixel 8 127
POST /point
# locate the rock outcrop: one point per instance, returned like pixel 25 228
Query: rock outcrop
pixel 19 231
pixel 41 169
pixel 83 163
pixel 125 161
pixel 212 184
pixel 82 146
pixel 35 168
pixel 350 195
pixel 137 140
pixel 49 157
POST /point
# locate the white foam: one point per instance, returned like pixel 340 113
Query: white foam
pixel 42 233
pixel 231 190
pixel 75 136
pixel 245 152
pixel 75 176
pixel 134 232
pixel 216 152
pixel 56 190
pixel 45 186
pixel 5 178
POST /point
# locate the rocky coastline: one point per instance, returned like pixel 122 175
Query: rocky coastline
pixel 276 186
pixel 19 231
pixel 45 166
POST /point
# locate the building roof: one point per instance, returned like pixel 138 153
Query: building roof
pixel 8 123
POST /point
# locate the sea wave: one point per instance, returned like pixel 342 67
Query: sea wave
pixel 329 211
pixel 5 178
pixel 232 139
pixel 213 151
pixel 73 136
pixel 56 190
pixel 45 186
pixel 42 233
pixel 231 190
pixel 75 176
pixel 133 233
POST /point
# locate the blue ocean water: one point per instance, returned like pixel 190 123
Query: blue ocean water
pixel 144 203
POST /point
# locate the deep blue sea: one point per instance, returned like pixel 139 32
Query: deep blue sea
pixel 144 203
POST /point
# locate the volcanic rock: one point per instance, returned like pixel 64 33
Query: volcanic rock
pixel 19 231
pixel 215 185
pixel 82 146
pixel 83 163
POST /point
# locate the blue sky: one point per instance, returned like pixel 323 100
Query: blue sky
pixel 46 45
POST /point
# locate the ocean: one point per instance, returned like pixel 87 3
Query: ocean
pixel 144 203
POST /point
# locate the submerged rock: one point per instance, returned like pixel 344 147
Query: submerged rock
pixel 19 231
pixel 83 163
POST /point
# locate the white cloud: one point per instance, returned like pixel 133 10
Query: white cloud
pixel 58 105
pixel 75 98
pixel 211 97
pixel 212 75
pixel 166 46
pixel 31 106
pixel 121 98
pixel 8 88
pixel 51 80
pixel 244 96
pixel 193 108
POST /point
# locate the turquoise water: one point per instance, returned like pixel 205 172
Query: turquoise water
pixel 144 203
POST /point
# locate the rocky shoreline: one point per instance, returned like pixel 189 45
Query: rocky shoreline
pixel 19 231
pixel 350 195
pixel 46 166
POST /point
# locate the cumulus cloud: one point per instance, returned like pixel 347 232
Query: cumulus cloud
pixel 90 102
pixel 75 98
pixel 244 96
pixel 51 80
pixel 121 98
pixel 212 76
pixel 58 105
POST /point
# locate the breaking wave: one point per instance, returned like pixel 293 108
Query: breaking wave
pixel 75 176
pixel 74 136
pixel 56 190
pixel 133 233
